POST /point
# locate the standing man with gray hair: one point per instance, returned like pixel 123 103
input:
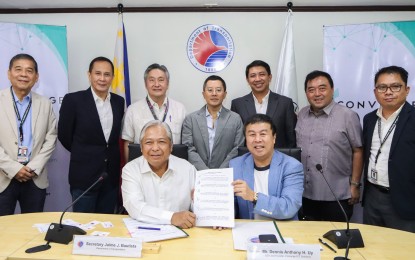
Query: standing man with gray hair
pixel 155 106
pixel 28 138
pixel 156 187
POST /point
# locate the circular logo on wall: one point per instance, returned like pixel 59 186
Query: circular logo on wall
pixel 210 48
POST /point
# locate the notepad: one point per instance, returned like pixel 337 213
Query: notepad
pixel 152 234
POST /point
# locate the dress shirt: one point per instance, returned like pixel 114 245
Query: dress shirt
pixel 27 125
pixel 211 128
pixel 383 160
pixel 138 114
pixel 328 138
pixel 152 199
pixel 261 108
pixel 105 113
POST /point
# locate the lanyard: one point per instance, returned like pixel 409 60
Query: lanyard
pixel 386 136
pixel 23 119
pixel 152 109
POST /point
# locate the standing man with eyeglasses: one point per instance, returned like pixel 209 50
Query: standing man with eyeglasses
pixel 27 139
pixel 155 106
pixel 389 144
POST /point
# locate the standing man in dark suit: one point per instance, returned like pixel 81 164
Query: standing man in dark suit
pixel 389 145
pixel 263 101
pixel 213 133
pixel 89 127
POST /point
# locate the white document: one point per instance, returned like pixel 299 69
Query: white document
pixel 152 232
pixel 245 232
pixel 214 199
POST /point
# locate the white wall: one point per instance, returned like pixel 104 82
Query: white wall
pixel 162 38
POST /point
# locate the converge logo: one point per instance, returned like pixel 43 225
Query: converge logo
pixel 210 48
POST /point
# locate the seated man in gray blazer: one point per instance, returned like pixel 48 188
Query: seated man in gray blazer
pixel 213 133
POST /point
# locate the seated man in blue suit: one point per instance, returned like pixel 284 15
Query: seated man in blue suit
pixel 268 184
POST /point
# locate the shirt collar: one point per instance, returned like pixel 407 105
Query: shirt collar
pixel 392 117
pixel 208 114
pixel 26 98
pixel 96 98
pixel 147 169
pixel 265 99
pixel 153 103
pixel 327 110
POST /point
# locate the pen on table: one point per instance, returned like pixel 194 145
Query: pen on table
pixel 149 228
pixel 327 245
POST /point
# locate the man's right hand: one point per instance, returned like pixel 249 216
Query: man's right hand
pixel 183 219
pixel 24 174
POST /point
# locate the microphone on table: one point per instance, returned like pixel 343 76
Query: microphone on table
pixel 60 233
pixel 342 238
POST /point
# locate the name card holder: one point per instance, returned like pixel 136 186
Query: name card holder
pixel 282 251
pixel 107 246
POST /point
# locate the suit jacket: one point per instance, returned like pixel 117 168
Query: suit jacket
pixel 285 187
pixel 280 109
pixel 80 132
pixel 228 137
pixel 401 164
pixel 44 139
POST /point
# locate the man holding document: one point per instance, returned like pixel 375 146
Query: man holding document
pixel 156 187
pixel 268 184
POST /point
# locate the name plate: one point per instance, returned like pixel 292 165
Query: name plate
pixel 282 251
pixel 107 246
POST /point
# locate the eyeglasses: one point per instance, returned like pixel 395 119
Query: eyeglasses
pixel 384 88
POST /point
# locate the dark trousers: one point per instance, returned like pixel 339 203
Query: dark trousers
pixel 325 210
pixel 101 199
pixel 30 197
pixel 378 210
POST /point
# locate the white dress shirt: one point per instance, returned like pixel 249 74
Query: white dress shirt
pixel 261 186
pixel 138 114
pixel 105 113
pixel 261 108
pixel 382 177
pixel 152 199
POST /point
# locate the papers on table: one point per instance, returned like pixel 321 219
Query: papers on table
pixel 43 227
pixel 249 231
pixel 152 232
pixel 214 199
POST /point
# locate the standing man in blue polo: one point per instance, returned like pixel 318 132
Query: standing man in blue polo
pixel 89 127
pixel 263 101
pixel 389 144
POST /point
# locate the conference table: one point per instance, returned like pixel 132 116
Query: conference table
pixel 17 234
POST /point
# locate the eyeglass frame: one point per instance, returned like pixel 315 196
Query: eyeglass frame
pixel 389 87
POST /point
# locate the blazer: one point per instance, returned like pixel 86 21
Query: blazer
pixel 285 187
pixel 401 164
pixel 44 139
pixel 228 137
pixel 280 109
pixel 80 132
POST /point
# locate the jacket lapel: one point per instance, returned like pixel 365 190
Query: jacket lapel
pixel 7 100
pixel 248 175
pixel 272 104
pixel 250 105
pixel 91 110
pixel 202 124
pixel 220 125
pixel 400 125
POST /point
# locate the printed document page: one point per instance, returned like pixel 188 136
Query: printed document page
pixel 214 198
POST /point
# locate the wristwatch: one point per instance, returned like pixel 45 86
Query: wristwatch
pixel 255 197
pixel 357 184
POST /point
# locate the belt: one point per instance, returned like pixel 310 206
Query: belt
pixel 380 188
